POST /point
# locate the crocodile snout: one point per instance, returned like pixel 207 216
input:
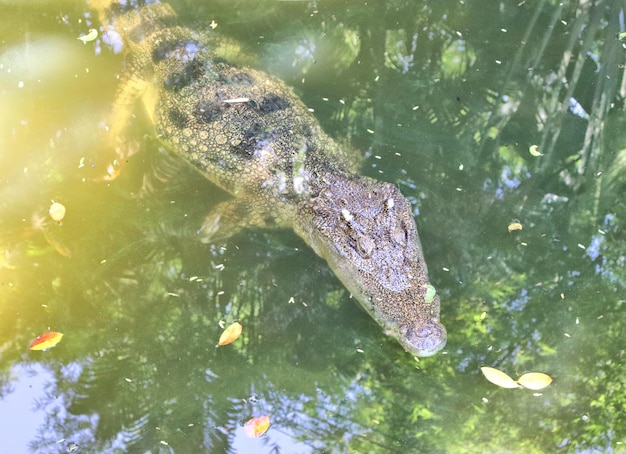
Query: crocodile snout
pixel 423 339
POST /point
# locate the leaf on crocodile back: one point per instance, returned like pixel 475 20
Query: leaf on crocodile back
pixel 431 292
pixel 45 341
pixel 534 380
pixel 230 334
pixel 256 427
pixel 499 378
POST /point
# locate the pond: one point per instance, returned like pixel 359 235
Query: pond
pixel 485 114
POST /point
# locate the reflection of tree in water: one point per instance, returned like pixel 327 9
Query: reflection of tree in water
pixel 558 84
pixel 454 102
pixel 162 379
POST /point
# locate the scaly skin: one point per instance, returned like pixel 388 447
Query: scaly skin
pixel 247 132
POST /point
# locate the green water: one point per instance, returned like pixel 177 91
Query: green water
pixel 444 99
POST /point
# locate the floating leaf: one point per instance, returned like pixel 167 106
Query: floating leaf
pixel 45 340
pixel 498 377
pixel 534 380
pixel 230 334
pixel 534 150
pixel 256 427
pixel 514 226
pixel 93 34
pixel 57 211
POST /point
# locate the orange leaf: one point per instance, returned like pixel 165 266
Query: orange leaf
pixel 230 334
pixel 256 427
pixel 45 340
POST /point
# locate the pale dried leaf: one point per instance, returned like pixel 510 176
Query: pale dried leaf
pixel 57 211
pixel 514 226
pixel 498 377
pixel 534 380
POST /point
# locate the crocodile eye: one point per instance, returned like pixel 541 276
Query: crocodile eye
pixel 365 246
pixel 399 235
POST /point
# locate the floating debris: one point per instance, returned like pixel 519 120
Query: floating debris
pixel 497 377
pixel 514 226
pixel 230 334
pixel 530 380
pixel 57 211
pixel 45 341
pixel 256 427
pixel 534 380
pixel 92 35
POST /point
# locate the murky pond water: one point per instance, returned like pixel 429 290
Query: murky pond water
pixel 444 99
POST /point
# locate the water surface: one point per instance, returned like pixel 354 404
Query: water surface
pixel 443 99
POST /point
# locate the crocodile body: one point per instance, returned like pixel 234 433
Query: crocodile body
pixel 248 133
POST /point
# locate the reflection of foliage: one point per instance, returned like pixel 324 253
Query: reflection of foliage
pixel 447 107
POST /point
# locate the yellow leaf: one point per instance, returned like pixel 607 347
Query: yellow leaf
pixel 534 380
pixel 45 340
pixel 230 334
pixel 498 377
pixel 256 427
pixel 514 226
pixel 93 34
pixel 57 211
pixel 534 150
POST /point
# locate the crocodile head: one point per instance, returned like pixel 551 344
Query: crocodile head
pixel 366 232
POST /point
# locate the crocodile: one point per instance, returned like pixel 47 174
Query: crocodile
pixel 251 135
